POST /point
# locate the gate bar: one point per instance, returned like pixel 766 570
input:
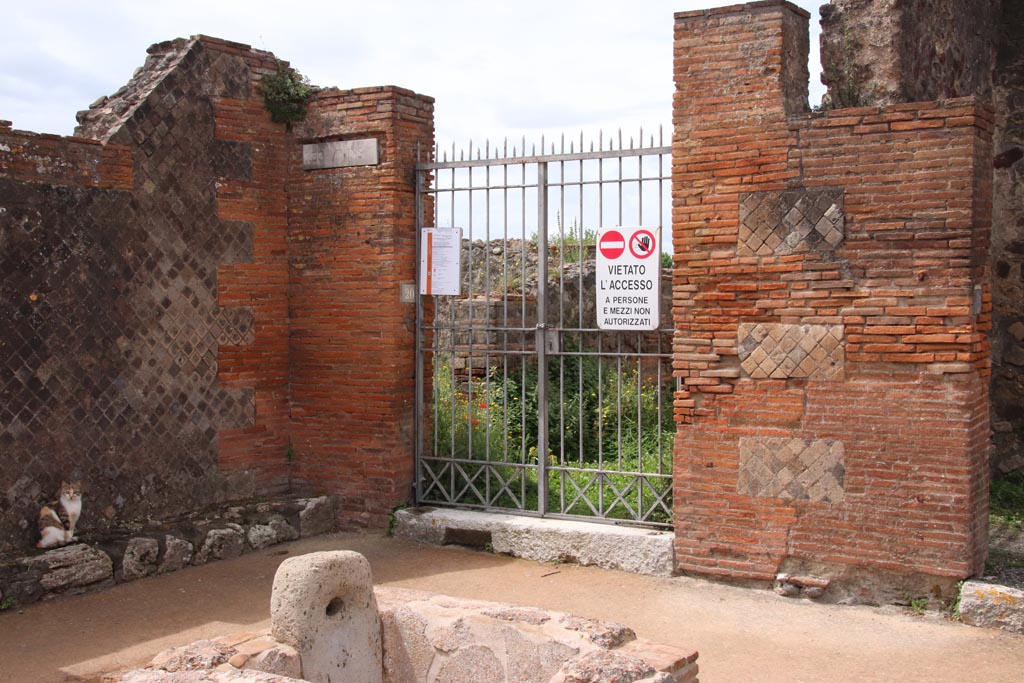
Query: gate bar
pixel 544 158
pixel 541 341
pixel 418 410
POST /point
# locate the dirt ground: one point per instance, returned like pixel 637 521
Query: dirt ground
pixel 741 634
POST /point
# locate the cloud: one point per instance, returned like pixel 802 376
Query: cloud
pixel 495 69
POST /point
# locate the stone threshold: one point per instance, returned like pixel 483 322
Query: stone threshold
pixel 630 549
pixel 93 563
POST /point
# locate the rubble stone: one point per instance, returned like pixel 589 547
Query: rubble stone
pixel 221 544
pixel 71 567
pixel 202 654
pixel 277 530
pixel 177 554
pixel 993 606
pixel 605 634
pixel 140 558
pixel 231 675
pixel 475 663
pixel 317 517
pixel 406 649
pixel 282 660
pixel 603 667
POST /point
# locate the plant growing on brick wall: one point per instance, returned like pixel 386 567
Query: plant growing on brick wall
pixel 285 94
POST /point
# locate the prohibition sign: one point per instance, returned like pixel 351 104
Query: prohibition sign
pixel 612 244
pixel 642 244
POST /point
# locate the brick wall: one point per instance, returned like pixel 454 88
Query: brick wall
pixel 352 242
pixel 889 52
pixel 254 198
pixel 832 304
pixel 72 162
pixel 191 318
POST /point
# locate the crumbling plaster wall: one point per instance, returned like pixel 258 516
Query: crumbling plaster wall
pixel 877 52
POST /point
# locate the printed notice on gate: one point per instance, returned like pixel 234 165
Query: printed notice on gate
pixel 440 261
pixel 628 278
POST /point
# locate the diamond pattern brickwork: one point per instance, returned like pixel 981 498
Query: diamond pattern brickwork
pixel 790 221
pixel 791 469
pixel 111 326
pixel 781 351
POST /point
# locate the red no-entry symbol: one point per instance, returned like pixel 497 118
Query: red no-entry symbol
pixel 612 244
pixel 642 243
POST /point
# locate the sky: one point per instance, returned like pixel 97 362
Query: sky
pixel 496 69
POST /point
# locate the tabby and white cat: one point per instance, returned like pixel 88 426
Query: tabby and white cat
pixel 58 519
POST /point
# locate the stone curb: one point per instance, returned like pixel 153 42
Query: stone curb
pixel 96 564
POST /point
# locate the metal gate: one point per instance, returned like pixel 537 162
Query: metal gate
pixel 523 404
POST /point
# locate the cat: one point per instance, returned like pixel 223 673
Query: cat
pixel 51 529
pixel 70 505
pixel 58 519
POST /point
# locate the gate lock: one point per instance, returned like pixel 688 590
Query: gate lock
pixel 550 337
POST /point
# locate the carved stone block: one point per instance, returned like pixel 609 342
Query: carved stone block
pixel 791 468
pixel 790 221
pixel 780 351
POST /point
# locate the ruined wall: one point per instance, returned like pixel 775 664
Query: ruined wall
pixel 159 306
pixel 876 52
pixel 111 350
pixel 1008 243
pixel 893 51
pixel 352 242
pixel 831 309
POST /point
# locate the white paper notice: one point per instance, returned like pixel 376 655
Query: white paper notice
pixel 440 261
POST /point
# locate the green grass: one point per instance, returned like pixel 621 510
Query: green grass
pixel 1006 506
pixel 999 560
pixel 605 424
pixel 577 491
pixel 1006 512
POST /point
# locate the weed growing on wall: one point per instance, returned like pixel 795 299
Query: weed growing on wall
pixel 919 605
pixel 285 94
pixel 954 604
